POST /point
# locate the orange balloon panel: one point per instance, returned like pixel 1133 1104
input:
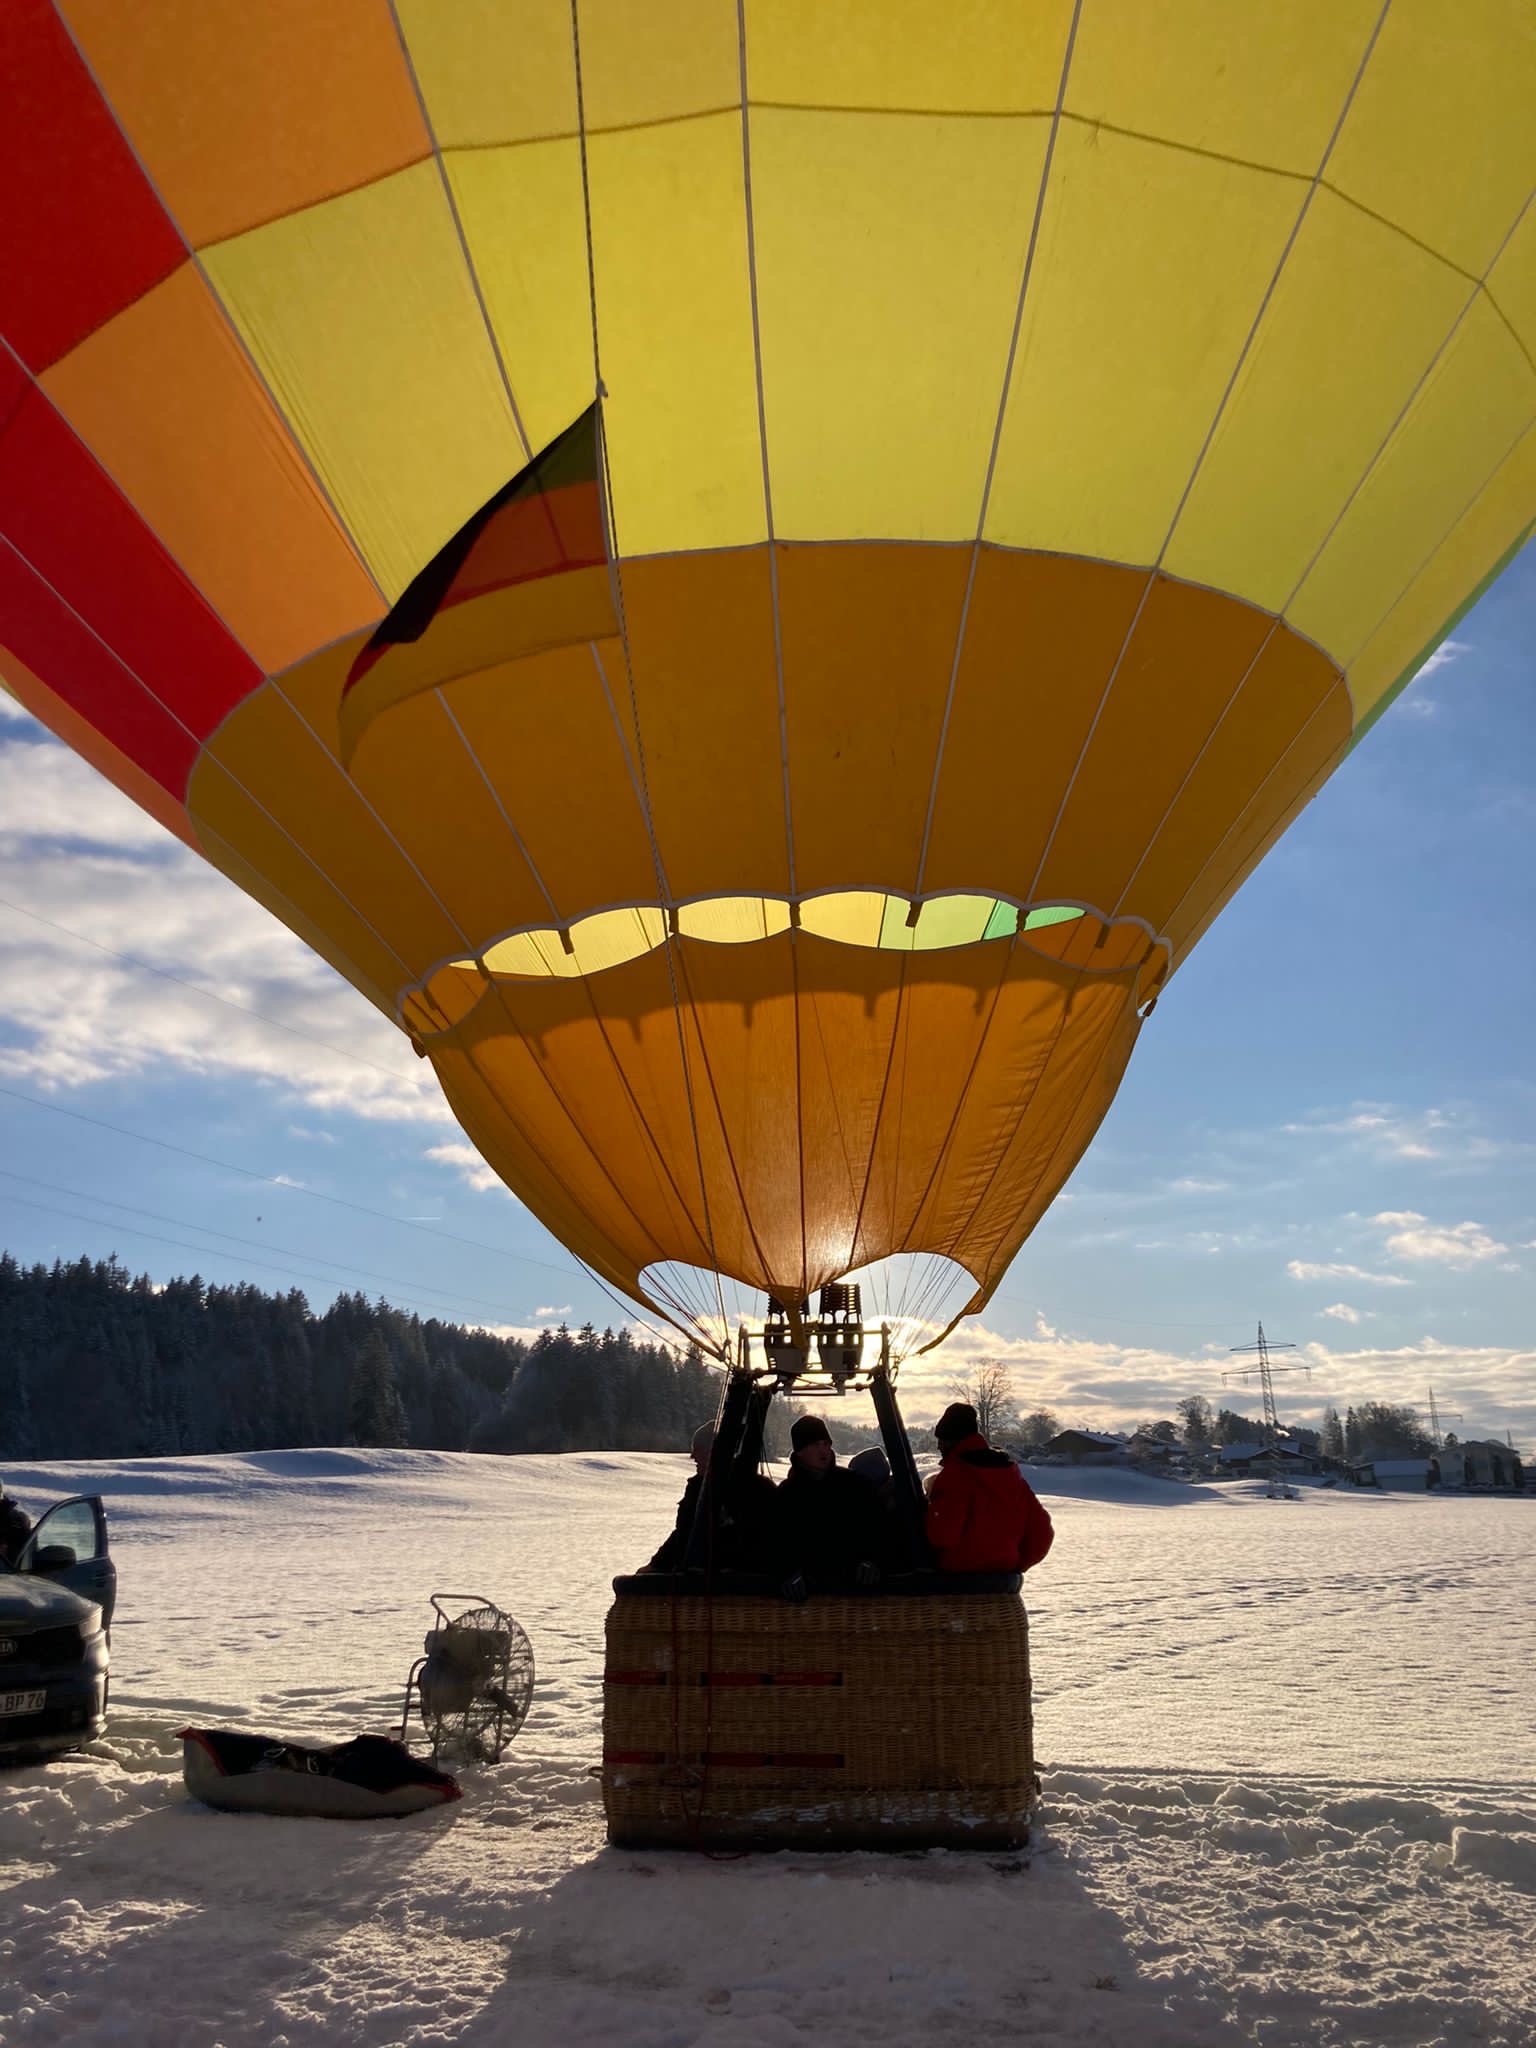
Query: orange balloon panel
pixel 757 1126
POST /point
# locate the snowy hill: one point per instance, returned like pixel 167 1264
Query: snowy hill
pixel 1277 1806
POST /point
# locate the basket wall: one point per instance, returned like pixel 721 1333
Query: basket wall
pixel 842 1722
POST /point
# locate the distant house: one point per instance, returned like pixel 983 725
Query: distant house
pixel 1480 1466
pixel 1152 1450
pixel 1462 1468
pixel 1397 1473
pixel 1086 1447
pixel 1234 1460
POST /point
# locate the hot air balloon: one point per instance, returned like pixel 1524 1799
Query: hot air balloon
pixel 753 572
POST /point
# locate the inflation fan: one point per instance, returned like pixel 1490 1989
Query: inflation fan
pixel 474 1682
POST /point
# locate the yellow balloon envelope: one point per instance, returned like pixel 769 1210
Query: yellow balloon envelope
pixel 755 574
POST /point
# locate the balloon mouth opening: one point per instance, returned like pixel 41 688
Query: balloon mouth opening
pixel 1071 933
pixel 916 1296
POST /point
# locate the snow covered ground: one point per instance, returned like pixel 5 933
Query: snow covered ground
pixel 1290 1788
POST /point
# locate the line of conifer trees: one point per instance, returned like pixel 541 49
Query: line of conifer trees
pixel 98 1362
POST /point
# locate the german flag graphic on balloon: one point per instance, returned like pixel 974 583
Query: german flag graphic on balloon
pixel 528 572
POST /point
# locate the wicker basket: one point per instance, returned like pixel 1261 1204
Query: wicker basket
pixel 841 1723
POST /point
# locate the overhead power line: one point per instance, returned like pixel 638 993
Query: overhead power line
pixel 276 1181
pixel 451 1297
pixel 630 1310
pixel 342 1052
pixel 156 1237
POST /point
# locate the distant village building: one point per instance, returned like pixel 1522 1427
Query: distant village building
pixel 1414 1474
pixel 1475 1466
pixel 1144 1449
pixel 1457 1468
pixel 1087 1447
pixel 1236 1460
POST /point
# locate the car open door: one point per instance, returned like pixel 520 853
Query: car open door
pixel 77 1526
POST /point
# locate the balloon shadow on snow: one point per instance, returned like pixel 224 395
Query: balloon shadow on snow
pixel 668 1949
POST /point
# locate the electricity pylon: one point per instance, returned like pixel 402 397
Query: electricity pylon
pixel 1264 1372
pixel 1434 1421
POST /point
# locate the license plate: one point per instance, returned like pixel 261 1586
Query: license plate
pixel 22 1702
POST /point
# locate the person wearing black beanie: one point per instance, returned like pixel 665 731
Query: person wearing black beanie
pixel 958 1420
pixel 826 1525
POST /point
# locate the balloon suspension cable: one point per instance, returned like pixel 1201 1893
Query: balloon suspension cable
pixel 611 525
pixel 600 389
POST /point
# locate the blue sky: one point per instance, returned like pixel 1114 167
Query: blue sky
pixel 1330 1121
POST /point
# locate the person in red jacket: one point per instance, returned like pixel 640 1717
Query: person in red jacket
pixel 983 1515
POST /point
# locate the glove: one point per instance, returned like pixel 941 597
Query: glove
pixel 795 1588
pixel 866 1574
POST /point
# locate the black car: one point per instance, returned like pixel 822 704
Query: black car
pixel 56 1605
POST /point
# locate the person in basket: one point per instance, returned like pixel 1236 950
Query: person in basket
pixel 983 1515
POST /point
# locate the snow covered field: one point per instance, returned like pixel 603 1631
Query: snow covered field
pixel 1289 1753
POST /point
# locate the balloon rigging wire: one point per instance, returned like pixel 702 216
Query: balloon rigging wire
pixel 1023 1107
pixel 616 574
pixel 965 1089
pixel 456 217
pixel 1479 288
pixel 933 1280
pixel 662 884
pixel 1314 185
pixel 997 438
pixel 749 211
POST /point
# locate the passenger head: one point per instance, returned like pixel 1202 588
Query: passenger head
pixel 811 1446
pixel 956 1423
pixel 703 1444
pixel 871 1465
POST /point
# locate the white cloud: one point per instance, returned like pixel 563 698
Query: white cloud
pixel 1343 1313
pixel 1190 1186
pixel 563 1310
pixel 1382 1129
pixel 1311 1269
pixel 1416 701
pixel 471 1169
pixel 1412 1236
pixel 1447 1136
pixel 50 793
pixel 1447 652
pixel 522 1333
pixel 80 868
pixel 1106 1383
